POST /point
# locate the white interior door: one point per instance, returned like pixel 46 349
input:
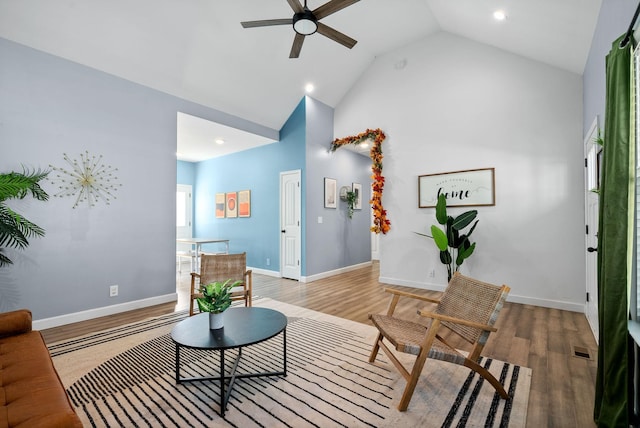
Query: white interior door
pixel 184 216
pixel 290 229
pixel 592 198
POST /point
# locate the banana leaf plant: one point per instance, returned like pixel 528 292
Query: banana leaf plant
pixel 453 243
pixel 216 296
pixel 15 230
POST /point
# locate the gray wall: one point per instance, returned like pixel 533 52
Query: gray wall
pixel 460 105
pixel 613 21
pixel 50 106
pixel 338 241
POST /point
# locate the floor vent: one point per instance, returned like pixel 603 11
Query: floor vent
pixel 581 352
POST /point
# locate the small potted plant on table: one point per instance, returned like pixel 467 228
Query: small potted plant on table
pixel 216 298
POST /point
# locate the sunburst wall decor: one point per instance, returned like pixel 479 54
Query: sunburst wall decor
pixel 88 180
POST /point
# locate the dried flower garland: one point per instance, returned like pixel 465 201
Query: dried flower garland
pixel 380 221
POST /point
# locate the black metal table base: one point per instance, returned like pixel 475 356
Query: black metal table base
pixel 225 395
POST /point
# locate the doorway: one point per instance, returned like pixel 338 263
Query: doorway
pixel 184 222
pixel 290 229
pixel 593 153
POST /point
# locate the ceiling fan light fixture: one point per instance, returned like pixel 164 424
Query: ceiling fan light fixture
pixel 305 23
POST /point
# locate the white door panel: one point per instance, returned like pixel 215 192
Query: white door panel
pixel 290 229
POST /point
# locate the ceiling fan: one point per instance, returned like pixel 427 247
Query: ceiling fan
pixel 306 22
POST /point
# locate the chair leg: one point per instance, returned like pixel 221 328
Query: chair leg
pixel 413 380
pixel 425 347
pixel 488 376
pixel 376 347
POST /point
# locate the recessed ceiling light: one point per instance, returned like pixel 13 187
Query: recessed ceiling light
pixel 219 141
pixel 364 145
pixel 499 15
pixel 309 88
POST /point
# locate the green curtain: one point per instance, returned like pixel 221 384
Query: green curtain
pixel 614 249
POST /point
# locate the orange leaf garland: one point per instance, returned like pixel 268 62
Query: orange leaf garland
pixel 381 223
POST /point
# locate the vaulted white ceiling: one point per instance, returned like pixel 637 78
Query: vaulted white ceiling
pixel 197 49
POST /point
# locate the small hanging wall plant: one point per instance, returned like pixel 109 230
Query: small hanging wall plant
pixel 351 202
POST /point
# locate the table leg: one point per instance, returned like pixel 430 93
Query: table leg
pixel 284 350
pixel 177 363
pixel 225 391
pixel 223 402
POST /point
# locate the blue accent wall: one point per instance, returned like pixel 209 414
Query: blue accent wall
pixel 305 139
pixel 186 173
pixel 257 170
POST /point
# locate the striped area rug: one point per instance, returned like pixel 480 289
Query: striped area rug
pixel 125 377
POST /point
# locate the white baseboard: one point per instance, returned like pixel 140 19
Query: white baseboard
pixel 414 284
pixel 45 323
pixel 333 272
pixel 545 303
pixel 266 272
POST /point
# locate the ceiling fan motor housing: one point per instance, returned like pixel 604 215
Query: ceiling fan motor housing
pixel 305 22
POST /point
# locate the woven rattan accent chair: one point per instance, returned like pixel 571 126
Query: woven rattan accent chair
pixel 221 267
pixel 468 307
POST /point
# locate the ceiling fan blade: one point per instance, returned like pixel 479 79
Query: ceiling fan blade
pixel 331 7
pixel 267 22
pixel 297 46
pixel 295 5
pixel 336 35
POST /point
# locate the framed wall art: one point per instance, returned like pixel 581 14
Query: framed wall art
pixel 474 187
pixel 232 205
pixel 357 189
pixel 330 193
pixel 220 205
pixel 244 203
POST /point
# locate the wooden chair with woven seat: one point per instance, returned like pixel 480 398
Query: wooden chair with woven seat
pixel 219 268
pixel 468 307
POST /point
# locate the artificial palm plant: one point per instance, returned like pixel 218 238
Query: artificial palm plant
pixel 15 230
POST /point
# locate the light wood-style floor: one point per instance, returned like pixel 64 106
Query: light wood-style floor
pixel 562 387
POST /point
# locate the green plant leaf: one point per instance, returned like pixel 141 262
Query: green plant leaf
pixel 439 238
pixel 464 219
pixel 472 228
pixel 4 260
pixel 15 229
pixel 461 241
pixel 452 234
pixel 445 258
pixel 464 254
pixel 216 296
pixel 441 210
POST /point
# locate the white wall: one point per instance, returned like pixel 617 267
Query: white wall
pixel 458 105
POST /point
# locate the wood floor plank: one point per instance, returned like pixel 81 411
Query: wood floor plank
pixel 540 338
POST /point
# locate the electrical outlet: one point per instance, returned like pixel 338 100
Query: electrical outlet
pixel 432 274
pixel 268 261
pixel 113 291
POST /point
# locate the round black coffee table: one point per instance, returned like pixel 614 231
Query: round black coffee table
pixel 242 327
